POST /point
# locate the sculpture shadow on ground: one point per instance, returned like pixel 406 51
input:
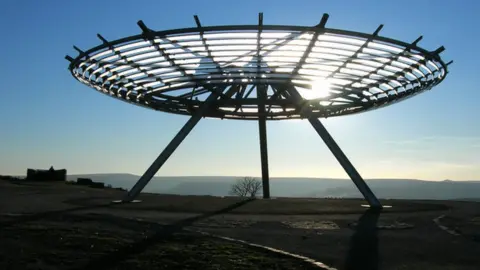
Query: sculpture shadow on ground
pixel 363 252
pixel 163 232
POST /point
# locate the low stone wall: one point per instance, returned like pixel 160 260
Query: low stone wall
pixel 89 182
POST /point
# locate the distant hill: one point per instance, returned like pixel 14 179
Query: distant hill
pixel 413 189
pixel 182 185
pixel 300 187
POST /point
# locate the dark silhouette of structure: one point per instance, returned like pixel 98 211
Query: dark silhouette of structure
pixel 46 175
pixel 84 181
pixel 259 72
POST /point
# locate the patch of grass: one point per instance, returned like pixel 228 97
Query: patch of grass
pixel 188 251
pixel 72 242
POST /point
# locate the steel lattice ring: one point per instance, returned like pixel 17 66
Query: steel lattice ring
pixel 340 72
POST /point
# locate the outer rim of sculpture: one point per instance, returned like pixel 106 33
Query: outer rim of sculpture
pixel 290 110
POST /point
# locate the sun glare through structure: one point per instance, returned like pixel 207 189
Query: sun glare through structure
pixel 320 88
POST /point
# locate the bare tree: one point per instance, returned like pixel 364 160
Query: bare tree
pixel 246 186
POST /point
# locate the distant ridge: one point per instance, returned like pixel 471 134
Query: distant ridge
pixel 299 186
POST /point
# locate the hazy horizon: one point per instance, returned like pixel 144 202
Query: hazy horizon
pixel 277 177
pixel 299 187
pixel 70 175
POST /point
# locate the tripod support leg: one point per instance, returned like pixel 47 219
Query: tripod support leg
pixel 337 152
pixel 162 158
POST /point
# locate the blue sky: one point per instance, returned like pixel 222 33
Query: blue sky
pixel 48 118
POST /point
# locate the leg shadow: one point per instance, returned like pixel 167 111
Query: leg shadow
pixel 162 233
pixel 363 253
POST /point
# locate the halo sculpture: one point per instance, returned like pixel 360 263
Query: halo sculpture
pixel 259 72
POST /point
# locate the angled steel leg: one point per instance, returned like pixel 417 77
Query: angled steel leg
pixel 162 158
pixel 337 152
pixel 262 127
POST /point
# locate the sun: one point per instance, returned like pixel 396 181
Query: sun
pixel 320 88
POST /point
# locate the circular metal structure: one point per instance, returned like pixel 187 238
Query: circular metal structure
pixel 337 72
pixel 259 72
